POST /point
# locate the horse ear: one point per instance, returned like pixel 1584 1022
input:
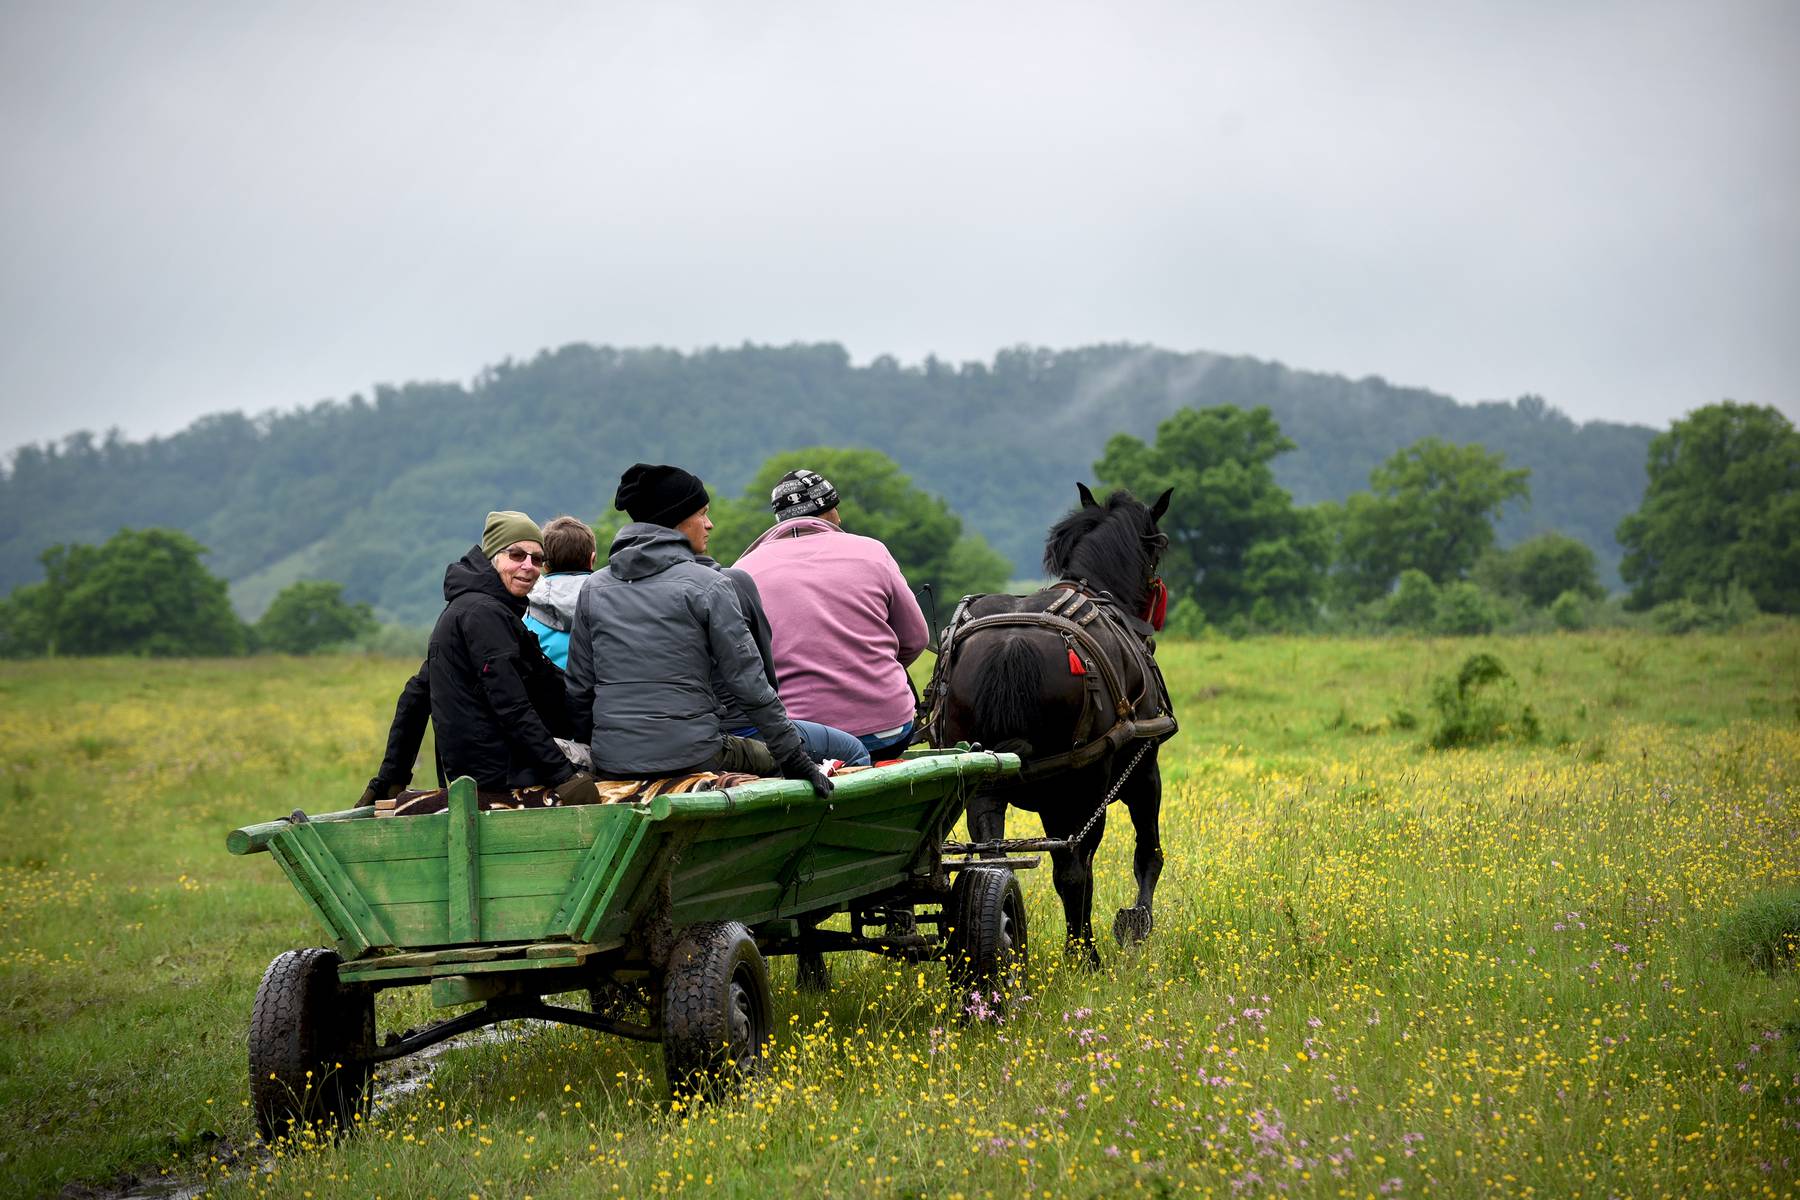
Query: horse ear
pixel 1087 497
pixel 1162 505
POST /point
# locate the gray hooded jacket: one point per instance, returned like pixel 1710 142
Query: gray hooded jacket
pixel 655 632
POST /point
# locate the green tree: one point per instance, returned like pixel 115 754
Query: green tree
pixel 1723 504
pixel 141 592
pixel 1431 507
pixel 1238 547
pixel 309 615
pixel 1539 569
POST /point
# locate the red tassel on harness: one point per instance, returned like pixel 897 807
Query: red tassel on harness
pixel 1075 667
pixel 1156 608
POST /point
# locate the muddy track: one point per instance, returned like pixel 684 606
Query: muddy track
pixel 401 1078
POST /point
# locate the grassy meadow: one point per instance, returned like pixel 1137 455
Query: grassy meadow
pixel 1378 969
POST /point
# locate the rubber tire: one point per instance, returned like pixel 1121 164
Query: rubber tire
pixel 986 946
pixel 308 1039
pixel 717 1011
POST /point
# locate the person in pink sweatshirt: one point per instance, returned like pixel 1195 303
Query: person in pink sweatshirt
pixel 844 624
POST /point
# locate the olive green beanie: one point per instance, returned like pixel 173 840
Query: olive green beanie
pixel 506 527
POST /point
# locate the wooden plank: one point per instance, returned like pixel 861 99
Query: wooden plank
pixel 332 873
pixel 518 918
pixel 503 832
pixel 450 990
pixel 571 959
pixel 427 958
pixel 351 938
pixel 312 890
pixel 620 869
pixel 859 836
pixel 750 903
pixel 418 925
pixel 580 888
pixel 252 838
pixel 411 880
pixel 463 871
pixel 819 894
pixel 701 871
pixel 379 972
pixel 503 919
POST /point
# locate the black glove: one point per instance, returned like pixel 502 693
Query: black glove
pixel 577 789
pixel 377 790
pixel 797 766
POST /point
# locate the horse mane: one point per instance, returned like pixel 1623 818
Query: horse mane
pixel 1107 545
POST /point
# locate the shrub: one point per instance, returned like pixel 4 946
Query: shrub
pixel 1570 611
pixel 1764 930
pixel 1414 602
pixel 1728 608
pixel 1678 616
pixel 1464 610
pixel 1480 705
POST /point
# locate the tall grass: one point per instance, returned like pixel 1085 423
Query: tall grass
pixel 1378 969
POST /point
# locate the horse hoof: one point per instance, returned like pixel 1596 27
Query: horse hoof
pixel 1132 925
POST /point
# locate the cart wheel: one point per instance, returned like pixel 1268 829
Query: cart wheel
pixel 716 1010
pixel 986 945
pixel 308 1039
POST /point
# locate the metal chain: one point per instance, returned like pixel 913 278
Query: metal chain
pixel 1111 795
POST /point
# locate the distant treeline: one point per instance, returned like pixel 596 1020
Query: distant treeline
pixel 380 493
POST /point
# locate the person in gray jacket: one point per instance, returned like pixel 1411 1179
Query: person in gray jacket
pixel 655 632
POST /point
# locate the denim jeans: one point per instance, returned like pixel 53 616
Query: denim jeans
pixel 888 747
pixel 823 742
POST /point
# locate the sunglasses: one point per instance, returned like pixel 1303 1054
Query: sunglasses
pixel 514 554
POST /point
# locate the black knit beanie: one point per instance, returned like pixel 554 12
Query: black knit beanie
pixel 660 495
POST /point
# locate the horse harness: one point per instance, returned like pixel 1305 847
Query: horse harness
pixel 1072 616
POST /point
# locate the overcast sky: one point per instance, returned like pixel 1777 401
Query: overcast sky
pixel 229 205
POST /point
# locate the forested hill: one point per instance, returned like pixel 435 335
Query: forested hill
pixel 381 493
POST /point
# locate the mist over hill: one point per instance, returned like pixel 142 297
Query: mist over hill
pixel 379 493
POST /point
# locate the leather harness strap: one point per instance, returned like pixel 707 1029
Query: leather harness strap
pixel 1069 617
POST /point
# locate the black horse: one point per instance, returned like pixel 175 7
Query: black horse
pixel 1025 688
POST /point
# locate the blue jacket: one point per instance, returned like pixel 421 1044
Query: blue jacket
pixel 550 613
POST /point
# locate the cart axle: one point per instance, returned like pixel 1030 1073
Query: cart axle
pixel 507 1008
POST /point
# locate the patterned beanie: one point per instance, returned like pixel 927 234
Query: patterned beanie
pixel 802 493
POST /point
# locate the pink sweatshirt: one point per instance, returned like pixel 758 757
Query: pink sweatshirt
pixel 843 625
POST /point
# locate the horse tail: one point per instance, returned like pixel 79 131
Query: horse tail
pixel 1005 703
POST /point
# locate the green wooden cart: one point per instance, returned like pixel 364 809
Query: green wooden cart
pixel 663 912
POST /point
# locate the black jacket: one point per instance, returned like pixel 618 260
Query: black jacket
pixel 493 698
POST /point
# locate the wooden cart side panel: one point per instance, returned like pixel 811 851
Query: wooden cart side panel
pixel 392 839
pixel 583 886
pixel 424 880
pixel 723 864
pixel 318 876
pixel 503 919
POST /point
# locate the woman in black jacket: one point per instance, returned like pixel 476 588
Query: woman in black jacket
pixel 496 702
